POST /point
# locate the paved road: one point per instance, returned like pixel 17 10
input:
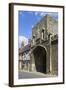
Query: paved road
pixel 26 75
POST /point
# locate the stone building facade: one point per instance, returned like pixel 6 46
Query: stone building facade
pixel 44 46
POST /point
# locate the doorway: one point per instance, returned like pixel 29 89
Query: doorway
pixel 40 59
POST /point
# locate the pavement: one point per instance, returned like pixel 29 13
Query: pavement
pixel 28 75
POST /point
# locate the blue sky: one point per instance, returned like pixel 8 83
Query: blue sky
pixel 27 19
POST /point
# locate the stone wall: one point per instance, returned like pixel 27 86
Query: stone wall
pixel 54 57
pixel 50 27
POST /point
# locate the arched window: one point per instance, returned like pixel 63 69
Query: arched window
pixel 42 34
pixel 33 39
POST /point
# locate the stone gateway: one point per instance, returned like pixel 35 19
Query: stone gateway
pixel 44 46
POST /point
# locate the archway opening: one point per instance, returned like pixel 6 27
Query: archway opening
pixel 40 59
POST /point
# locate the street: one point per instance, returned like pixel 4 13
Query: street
pixel 26 75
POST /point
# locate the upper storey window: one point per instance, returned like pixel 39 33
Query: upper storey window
pixel 42 33
pixel 33 39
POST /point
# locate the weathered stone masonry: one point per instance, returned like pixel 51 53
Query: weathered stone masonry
pixel 44 46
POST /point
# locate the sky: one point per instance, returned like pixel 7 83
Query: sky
pixel 26 20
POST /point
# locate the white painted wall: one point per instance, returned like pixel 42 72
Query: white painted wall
pixel 4 53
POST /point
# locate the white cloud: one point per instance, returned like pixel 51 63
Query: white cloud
pixel 32 26
pixel 53 14
pixel 22 39
pixel 36 13
pixel 30 12
pixel 42 14
pixel 49 13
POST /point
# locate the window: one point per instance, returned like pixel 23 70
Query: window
pixel 34 40
pixel 42 33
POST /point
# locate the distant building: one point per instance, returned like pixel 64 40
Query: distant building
pixel 24 58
